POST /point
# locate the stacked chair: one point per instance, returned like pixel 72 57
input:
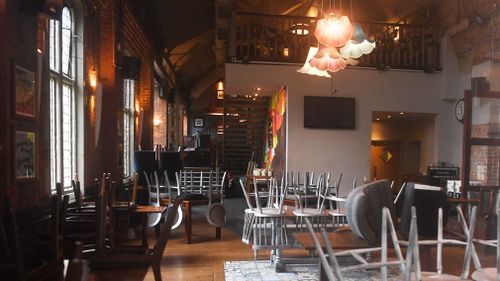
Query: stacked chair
pixel 305 209
pixel 198 187
pixel 265 223
pixel 111 257
pixel 433 217
pixel 490 273
pixel 31 250
pixel 331 266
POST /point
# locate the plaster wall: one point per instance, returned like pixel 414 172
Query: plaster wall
pixel 348 151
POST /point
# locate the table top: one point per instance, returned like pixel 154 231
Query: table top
pixel 339 240
pixel 149 209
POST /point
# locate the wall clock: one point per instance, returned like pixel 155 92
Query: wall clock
pixel 459 110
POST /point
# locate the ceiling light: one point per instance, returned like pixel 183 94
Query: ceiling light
pixel 335 31
pixel 389 116
pixel 378 119
pixel 308 69
pixel 401 113
pixel 328 59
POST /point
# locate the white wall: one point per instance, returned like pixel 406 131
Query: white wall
pixel 348 151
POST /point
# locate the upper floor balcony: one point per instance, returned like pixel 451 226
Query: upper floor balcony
pixel 286 39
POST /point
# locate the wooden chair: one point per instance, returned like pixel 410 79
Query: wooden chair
pixel 124 257
pixel 75 266
pixel 331 266
pixel 52 265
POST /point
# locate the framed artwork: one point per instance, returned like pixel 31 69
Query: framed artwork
pixel 199 122
pixel 24 92
pixel 24 154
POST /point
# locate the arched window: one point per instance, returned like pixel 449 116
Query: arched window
pixel 63 100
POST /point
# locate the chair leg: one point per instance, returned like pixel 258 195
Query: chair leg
pixel 156 271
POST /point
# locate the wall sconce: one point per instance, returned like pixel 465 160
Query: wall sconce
pixel 220 90
pixel 137 106
pixel 92 110
pixel 93 78
pixel 156 122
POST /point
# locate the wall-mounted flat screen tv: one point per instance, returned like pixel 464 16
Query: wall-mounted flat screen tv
pixel 329 112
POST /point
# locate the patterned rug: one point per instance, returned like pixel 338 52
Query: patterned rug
pixel 263 270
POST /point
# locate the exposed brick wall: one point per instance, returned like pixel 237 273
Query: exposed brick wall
pixel 476 40
pixel 160 112
pixel 108 27
pixel 485 159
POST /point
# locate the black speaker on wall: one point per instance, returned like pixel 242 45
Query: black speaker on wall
pixel 171 95
pixel 53 8
pixel 131 68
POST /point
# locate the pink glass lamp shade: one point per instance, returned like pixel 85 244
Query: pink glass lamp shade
pixel 334 31
pixel 328 59
pixel 308 69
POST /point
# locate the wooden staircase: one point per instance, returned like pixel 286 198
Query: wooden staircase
pixel 245 119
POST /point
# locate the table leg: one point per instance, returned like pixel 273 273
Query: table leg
pixel 144 232
pixel 187 221
pixel 218 233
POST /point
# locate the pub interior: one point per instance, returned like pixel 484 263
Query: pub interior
pixel 249 140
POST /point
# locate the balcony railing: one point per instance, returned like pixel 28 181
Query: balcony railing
pixel 271 38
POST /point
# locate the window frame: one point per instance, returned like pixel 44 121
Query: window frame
pixel 128 138
pixel 59 82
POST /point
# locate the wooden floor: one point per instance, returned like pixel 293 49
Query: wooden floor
pixel 203 260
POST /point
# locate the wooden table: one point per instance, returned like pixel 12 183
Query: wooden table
pixel 186 205
pixel 342 240
pixel 250 179
pixel 143 211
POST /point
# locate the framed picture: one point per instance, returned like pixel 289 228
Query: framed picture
pixel 24 154
pixel 24 92
pixel 199 122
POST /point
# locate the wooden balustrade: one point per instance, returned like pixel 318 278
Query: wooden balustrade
pixel 271 38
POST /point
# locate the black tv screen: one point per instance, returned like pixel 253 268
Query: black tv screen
pixel 329 112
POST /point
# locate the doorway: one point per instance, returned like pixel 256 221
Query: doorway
pixel 402 146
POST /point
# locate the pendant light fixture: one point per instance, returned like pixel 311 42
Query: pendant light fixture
pixel 341 43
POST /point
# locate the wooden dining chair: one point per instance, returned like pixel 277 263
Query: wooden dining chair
pixel 136 256
pixel 75 266
pixel 51 264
